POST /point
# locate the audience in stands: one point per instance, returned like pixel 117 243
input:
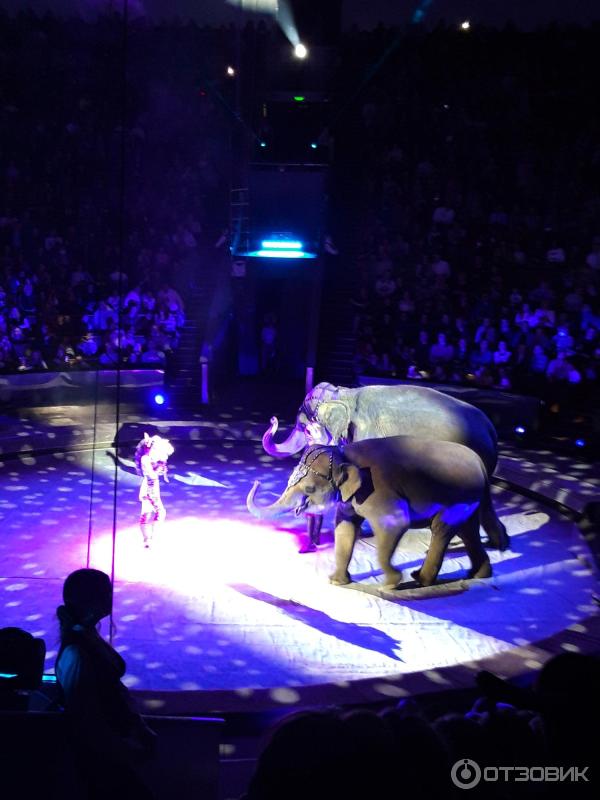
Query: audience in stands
pixel 90 254
pixel 479 218
pixel 480 235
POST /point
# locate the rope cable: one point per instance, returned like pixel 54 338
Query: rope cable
pixel 120 267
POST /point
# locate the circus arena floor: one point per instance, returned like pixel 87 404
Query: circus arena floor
pixel 224 613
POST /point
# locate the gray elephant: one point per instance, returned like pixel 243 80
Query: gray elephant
pixel 337 415
pixel 394 483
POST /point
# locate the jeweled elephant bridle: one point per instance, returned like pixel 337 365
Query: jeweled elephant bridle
pixel 310 455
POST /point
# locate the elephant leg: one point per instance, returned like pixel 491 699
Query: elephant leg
pixel 441 533
pixel 387 542
pixel 480 561
pixel 348 510
pixel 491 523
pixel 346 532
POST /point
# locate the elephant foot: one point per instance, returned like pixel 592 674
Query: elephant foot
pixel 392 578
pixel 419 578
pixel 498 539
pixel 484 571
pixel 340 578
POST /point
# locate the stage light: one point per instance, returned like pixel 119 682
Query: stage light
pixel 263 144
pixel 519 430
pixel 299 98
pixel 257 6
pixel 230 71
pixel 280 244
pixel 579 442
pixel 281 254
pixel 300 50
pixel 313 145
pixel 159 399
pixel 464 26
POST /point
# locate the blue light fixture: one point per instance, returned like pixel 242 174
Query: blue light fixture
pixel 281 254
pixel 519 430
pixel 280 244
pixel 269 244
pixel 579 442
pixel 159 399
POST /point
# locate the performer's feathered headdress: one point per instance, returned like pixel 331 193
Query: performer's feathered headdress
pixel 162 449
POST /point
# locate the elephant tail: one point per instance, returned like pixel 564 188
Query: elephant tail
pixel 491 523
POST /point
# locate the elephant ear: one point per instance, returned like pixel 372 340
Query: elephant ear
pixel 349 481
pixel 334 416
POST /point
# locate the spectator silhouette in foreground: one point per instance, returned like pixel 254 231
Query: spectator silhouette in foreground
pixel 425 761
pixel 110 740
pixel 357 754
pixel 308 756
pixel 566 698
pixel 22 666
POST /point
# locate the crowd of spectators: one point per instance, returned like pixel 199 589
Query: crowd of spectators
pixel 510 735
pixel 45 328
pixel 480 239
pixel 477 160
pixel 111 167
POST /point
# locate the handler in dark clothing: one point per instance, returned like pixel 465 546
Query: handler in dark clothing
pixel 110 740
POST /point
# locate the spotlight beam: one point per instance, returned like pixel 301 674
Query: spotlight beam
pixel 285 20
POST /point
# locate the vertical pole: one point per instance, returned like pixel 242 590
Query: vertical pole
pixel 314 316
pixel 204 394
pixel 309 379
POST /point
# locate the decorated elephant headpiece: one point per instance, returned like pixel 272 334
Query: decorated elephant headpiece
pixel 345 479
pixel 309 410
pixel 305 465
pixel 324 418
pixel 324 405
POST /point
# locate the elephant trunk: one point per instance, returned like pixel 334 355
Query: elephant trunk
pixel 283 504
pixel 295 442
